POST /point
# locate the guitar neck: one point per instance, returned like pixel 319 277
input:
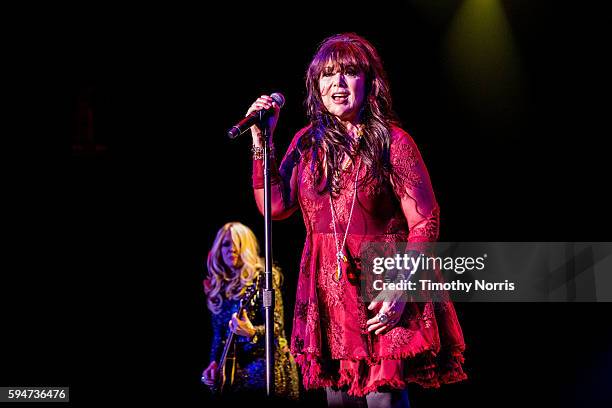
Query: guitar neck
pixel 230 340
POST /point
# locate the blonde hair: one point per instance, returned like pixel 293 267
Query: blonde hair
pixel 221 283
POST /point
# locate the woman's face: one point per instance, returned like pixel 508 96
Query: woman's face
pixel 230 253
pixel 342 91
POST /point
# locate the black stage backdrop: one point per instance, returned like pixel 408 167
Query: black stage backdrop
pixel 110 216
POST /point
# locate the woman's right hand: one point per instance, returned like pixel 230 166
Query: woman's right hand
pixel 264 102
pixel 210 374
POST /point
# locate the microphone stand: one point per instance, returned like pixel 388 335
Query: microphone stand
pixel 268 292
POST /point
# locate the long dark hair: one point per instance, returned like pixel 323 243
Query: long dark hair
pixel 328 134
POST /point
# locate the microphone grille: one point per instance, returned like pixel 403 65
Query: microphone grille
pixel 278 98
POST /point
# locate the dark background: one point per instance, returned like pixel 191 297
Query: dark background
pixel 108 218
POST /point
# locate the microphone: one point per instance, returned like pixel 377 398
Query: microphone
pixel 253 117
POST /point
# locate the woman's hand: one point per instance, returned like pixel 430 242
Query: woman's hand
pixel 210 374
pixel 243 326
pixel 264 102
pixel 391 310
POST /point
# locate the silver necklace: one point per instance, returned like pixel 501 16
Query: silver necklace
pixel 340 257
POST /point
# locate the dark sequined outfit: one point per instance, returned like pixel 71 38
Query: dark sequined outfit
pixel 250 354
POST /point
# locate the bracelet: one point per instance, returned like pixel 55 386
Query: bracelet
pixel 258 152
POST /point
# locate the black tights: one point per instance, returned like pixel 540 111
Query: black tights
pixel 393 399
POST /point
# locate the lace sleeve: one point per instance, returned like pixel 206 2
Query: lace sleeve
pixel 284 181
pixel 412 186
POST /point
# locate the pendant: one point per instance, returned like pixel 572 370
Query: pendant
pixel 340 257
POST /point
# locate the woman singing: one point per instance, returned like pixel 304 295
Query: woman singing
pixel 358 178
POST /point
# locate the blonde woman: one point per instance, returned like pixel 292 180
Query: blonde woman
pixel 233 265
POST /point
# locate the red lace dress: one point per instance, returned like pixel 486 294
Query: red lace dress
pixel 330 339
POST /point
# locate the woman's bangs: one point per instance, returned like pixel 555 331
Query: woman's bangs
pixel 341 55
